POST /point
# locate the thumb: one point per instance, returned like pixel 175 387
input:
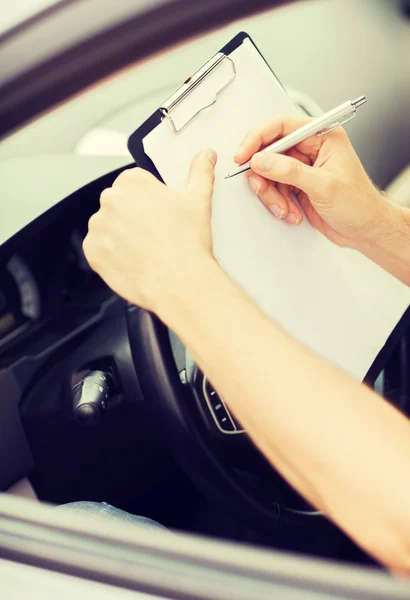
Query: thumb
pixel 201 174
pixel 285 169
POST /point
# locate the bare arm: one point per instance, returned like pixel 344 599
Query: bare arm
pixel 338 443
pixel 390 248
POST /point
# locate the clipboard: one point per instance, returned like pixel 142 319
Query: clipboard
pixel 222 70
pixel 135 141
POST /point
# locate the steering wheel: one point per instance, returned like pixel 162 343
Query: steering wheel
pixel 206 440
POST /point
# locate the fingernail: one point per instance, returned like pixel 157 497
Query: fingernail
pixel 293 219
pixel 263 161
pixel 255 184
pixel 277 211
pixel 212 156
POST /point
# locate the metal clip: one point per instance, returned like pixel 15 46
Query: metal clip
pixel 191 84
pixel 337 124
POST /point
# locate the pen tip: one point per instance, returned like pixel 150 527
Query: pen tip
pixel 227 176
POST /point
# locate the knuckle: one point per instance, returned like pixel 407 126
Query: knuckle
pixel 265 186
pixel 130 173
pixel 122 177
pixel 139 174
pixel 93 221
pixel 131 176
pixel 256 138
pixel 290 168
pixel 266 201
pixel 86 244
pixel 96 248
pixel 89 253
pixel 106 197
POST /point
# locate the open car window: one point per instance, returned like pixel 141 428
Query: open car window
pixel 169 566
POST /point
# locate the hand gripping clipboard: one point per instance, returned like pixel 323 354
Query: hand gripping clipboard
pixel 183 116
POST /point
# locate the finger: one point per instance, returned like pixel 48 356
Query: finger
pixel 107 197
pixel 295 215
pixel 94 221
pixel 202 172
pixel 272 130
pixel 249 145
pixel 269 195
pixel 295 153
pixel 284 189
pixel 285 169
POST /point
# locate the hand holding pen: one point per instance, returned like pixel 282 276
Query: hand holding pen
pixel 323 124
pixel 332 187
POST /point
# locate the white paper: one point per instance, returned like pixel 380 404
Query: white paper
pixel 333 300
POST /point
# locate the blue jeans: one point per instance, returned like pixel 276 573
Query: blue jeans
pixel 102 509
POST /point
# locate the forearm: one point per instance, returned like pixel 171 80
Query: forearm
pixel 338 443
pixel 389 242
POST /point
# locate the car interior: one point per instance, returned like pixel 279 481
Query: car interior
pixel 142 435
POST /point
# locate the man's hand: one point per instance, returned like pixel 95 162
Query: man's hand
pixel 147 239
pixel 332 186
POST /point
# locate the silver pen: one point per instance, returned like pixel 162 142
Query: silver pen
pixel 323 124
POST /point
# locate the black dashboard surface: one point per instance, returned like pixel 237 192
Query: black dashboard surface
pixel 46 285
pixel 56 315
pixel 49 298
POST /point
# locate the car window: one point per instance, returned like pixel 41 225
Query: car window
pixel 308 45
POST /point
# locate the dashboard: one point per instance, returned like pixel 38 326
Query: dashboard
pixel 46 285
pixel 19 296
pixel 58 321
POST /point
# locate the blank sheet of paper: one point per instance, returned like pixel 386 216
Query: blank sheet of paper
pixel 333 300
